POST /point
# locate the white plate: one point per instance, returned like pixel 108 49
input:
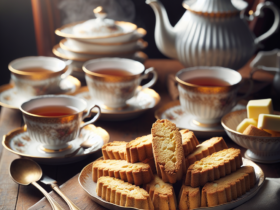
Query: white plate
pixel 85 180
pixel 145 100
pixel 19 142
pixel 172 111
pixel 9 97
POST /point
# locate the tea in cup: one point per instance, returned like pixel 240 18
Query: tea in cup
pixel 37 75
pixel 208 93
pixel 55 120
pixel 113 81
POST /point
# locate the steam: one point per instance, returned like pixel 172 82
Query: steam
pixel 78 10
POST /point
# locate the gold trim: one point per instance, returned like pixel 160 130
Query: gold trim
pixel 143 45
pixel 211 125
pixel 115 109
pixel 119 23
pixel 55 150
pixel 58 54
pixel 7 138
pixel 148 91
pixel 212 14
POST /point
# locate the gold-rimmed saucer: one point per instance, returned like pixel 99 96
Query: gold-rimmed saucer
pixel 19 143
pixel 146 99
pixel 9 97
pixel 173 111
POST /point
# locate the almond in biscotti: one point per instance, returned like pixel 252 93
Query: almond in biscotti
pixel 134 173
pixel 162 194
pixel 229 187
pixel 114 150
pixel 139 149
pixel 205 149
pixel 213 167
pixel 168 151
pixel 189 141
pixel 189 198
pixel 123 194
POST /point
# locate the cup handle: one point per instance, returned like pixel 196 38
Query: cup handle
pixel 152 82
pixel 92 120
pixel 69 69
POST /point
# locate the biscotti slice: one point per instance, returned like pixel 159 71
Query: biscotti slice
pixel 134 173
pixel 189 198
pixel 228 188
pixel 122 193
pixel 254 131
pixel 114 150
pixel 168 151
pixel 213 167
pixel 189 141
pixel 162 194
pixel 151 163
pixel 139 149
pixel 205 149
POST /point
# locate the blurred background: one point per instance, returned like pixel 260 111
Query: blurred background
pixel 19 37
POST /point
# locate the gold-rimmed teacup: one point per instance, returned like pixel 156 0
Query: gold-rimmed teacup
pixel 208 104
pixel 38 75
pixel 54 131
pixel 111 90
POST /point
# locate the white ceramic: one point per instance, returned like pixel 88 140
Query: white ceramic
pixel 102 50
pixel 209 104
pixel 145 100
pixel 260 149
pixel 30 84
pixel 85 180
pixel 54 132
pixel 211 32
pixel 19 142
pixel 9 97
pixel 173 112
pixel 129 33
pixel 114 91
pixel 268 61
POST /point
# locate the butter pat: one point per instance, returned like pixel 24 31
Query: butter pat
pixel 257 107
pixel 245 123
pixel 269 122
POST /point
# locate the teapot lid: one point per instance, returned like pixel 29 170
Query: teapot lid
pixel 215 8
pixel 98 27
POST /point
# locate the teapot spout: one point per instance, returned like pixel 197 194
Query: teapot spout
pixel 164 32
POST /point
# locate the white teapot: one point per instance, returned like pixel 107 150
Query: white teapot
pixel 210 33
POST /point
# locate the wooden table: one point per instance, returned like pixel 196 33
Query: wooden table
pixel 13 196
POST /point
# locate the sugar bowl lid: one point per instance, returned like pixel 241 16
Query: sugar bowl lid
pixel 217 8
pixel 98 27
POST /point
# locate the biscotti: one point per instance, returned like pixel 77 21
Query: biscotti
pixel 228 188
pixel 189 141
pixel 139 149
pixel 189 198
pixel 213 167
pixel 114 150
pixel 254 131
pixel 205 149
pixel 162 194
pixel 168 151
pixel 134 173
pixel 123 194
pixel 151 163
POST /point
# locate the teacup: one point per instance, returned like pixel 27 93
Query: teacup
pixel 112 81
pixel 38 75
pixel 209 102
pixel 55 120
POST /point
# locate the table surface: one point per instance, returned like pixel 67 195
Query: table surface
pixel 13 196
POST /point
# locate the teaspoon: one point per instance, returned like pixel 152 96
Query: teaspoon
pixel 25 172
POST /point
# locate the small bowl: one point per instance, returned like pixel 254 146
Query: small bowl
pixel 259 149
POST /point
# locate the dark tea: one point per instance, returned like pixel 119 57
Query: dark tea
pixel 113 72
pixel 53 111
pixel 36 70
pixel 208 81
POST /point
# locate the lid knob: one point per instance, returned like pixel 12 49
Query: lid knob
pixel 99 12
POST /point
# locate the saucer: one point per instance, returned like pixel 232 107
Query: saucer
pixel 173 111
pixel 9 97
pixel 146 99
pixel 19 142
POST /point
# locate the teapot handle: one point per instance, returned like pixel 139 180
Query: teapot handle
pixel 275 25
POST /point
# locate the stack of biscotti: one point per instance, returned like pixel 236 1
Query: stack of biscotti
pixel 114 150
